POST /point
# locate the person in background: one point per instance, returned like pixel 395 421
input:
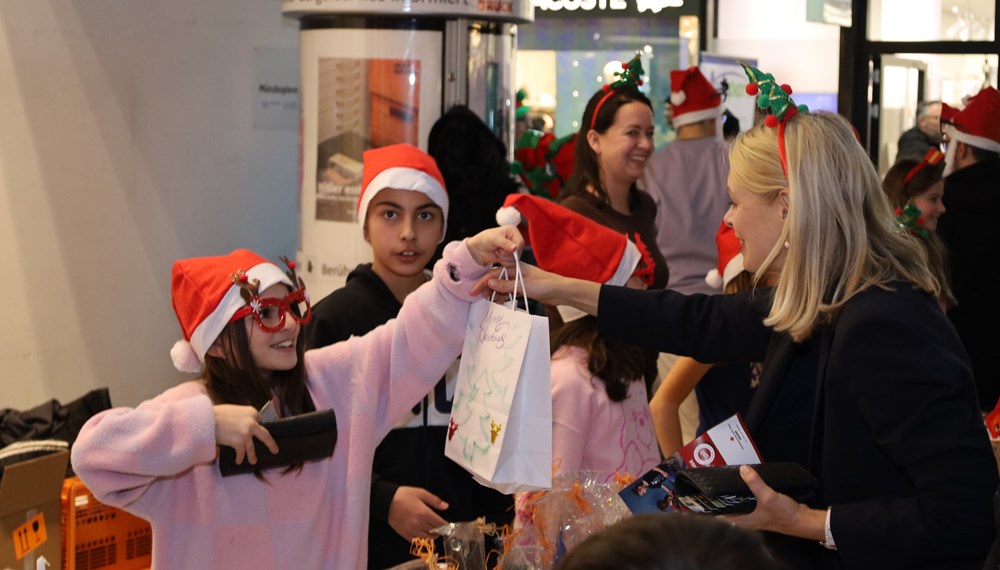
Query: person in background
pixel 925 135
pixel 687 180
pixel 241 317
pixel 863 382
pixel 415 488
pixel 473 162
pixel 972 169
pixel 916 190
pixel 612 148
pixel 721 389
pixel 671 541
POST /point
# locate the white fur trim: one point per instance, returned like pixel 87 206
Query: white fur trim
pixel 508 216
pixel 401 178
pixel 184 357
pixel 713 279
pixel 678 97
pixel 695 116
pixel 570 314
pixel 733 268
pixel 630 258
pixel 976 141
pixel 208 330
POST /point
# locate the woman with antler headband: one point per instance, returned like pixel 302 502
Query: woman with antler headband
pixel 242 316
pixel 864 382
pixel 610 152
pixel 915 188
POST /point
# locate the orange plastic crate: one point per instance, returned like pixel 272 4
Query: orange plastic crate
pixel 98 536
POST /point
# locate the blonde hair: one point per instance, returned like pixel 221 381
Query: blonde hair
pixel 840 229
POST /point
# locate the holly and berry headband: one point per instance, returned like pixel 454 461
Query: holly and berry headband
pixel 777 101
pixel 932 158
pixel 630 76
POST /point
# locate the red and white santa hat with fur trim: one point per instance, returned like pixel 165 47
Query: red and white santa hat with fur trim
pixel 402 167
pixel 693 98
pixel 730 258
pixel 205 298
pixel 978 124
pixel 571 244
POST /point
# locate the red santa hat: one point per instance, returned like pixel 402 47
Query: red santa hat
pixel 402 167
pixel 205 298
pixel 693 97
pixel 730 258
pixel 571 244
pixel 978 124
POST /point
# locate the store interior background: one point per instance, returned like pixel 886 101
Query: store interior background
pixel 127 140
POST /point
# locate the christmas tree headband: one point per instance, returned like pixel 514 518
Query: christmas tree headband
pixel 932 158
pixel 629 76
pixel 909 218
pixel 777 101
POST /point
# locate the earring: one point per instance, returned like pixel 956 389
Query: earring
pixel 786 244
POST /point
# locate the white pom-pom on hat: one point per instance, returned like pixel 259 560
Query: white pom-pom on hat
pixel 713 279
pixel 678 97
pixel 508 216
pixel 184 357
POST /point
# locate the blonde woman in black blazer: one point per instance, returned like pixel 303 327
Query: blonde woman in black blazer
pixel 865 383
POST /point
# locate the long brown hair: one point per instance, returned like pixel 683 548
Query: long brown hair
pixel 235 379
pixel 616 364
pixel 586 166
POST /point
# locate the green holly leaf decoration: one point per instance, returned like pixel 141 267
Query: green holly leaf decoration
pixel 908 218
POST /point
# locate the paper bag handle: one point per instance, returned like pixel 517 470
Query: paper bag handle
pixel 518 279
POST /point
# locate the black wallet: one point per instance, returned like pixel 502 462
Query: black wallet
pixel 301 438
pixel 721 490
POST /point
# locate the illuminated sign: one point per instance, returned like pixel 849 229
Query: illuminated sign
pixel 653 6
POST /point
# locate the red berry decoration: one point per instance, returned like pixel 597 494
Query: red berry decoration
pixel 243 278
pixel 624 65
pixel 899 211
pixel 639 83
pixel 291 264
pixel 920 221
pixel 790 112
pixel 786 88
pixel 771 121
pixel 752 89
pixel 605 88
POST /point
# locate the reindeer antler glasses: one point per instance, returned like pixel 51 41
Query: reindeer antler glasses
pixel 269 312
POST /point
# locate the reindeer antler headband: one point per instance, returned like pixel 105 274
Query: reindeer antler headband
pixel 630 76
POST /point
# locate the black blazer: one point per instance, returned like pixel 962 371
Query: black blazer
pixel 879 404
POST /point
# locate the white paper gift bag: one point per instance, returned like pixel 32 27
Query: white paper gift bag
pixel 501 415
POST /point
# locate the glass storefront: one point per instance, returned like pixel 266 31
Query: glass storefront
pixel 565 56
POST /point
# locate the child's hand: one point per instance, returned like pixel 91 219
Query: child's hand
pixel 237 426
pixel 411 513
pixel 495 245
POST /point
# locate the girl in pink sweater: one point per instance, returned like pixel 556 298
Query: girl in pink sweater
pixel 241 317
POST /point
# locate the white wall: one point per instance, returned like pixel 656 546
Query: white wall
pixel 127 141
pixel 803 54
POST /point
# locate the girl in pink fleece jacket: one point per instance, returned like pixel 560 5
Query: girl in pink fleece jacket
pixel 241 317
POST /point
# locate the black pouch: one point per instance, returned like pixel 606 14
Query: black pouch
pixel 301 438
pixel 721 490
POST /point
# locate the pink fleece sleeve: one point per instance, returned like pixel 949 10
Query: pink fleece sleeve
pixel 571 414
pixel 123 453
pixel 395 365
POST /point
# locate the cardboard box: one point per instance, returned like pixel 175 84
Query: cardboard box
pixel 30 511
